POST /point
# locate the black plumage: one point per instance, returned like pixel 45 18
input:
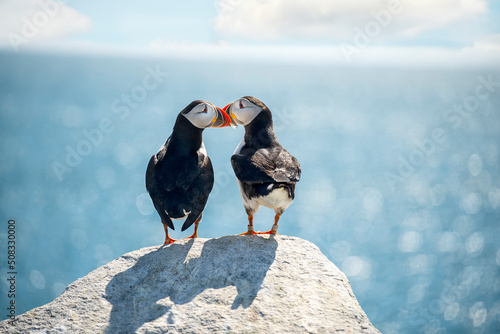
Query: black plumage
pixel 180 177
pixel 262 166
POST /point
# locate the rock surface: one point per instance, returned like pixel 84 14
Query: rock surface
pixel 236 284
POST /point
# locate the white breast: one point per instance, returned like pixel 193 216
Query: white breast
pixel 240 146
pixel 277 199
pixel 202 149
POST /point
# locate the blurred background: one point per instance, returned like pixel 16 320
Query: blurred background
pixel 391 107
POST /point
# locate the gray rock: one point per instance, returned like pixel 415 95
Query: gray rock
pixel 236 284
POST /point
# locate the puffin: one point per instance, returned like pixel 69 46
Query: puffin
pixel 180 176
pixel 266 173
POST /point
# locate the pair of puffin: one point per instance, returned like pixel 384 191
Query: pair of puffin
pixel 180 177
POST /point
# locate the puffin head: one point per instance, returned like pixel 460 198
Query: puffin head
pixel 203 114
pixel 244 110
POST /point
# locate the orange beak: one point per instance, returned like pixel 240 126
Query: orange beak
pixel 225 108
pixel 222 119
pixel 233 122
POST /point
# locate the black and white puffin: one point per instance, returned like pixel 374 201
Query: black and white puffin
pixel 266 172
pixel 179 177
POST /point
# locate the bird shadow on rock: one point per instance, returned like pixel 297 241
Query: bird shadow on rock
pixel 175 272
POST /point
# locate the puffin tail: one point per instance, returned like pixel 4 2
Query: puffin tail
pixel 163 214
pixel 190 220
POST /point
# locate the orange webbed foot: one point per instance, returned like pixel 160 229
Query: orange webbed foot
pixel 169 241
pixel 249 233
pixel 268 232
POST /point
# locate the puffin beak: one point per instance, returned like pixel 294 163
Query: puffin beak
pixel 221 120
pixel 227 110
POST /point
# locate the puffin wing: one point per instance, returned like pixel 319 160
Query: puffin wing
pixel 266 165
pixel 287 167
pixel 179 186
pixel 160 172
pixel 157 184
pixel 198 191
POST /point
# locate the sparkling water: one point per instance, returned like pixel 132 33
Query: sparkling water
pixel 400 179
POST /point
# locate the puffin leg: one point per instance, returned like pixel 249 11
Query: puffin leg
pixel 195 234
pixel 274 229
pixel 168 240
pixel 250 226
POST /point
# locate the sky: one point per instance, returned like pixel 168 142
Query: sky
pixel 394 31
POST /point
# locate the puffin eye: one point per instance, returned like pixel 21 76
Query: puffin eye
pixel 241 105
pixel 205 110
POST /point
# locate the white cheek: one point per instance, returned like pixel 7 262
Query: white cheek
pixel 201 120
pixel 246 115
pixel 204 120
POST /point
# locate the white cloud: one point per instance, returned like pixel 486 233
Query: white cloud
pixel 378 56
pixel 423 57
pixel 337 19
pixel 25 21
pixel 488 43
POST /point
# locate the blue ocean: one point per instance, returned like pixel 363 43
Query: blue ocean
pixel 400 179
